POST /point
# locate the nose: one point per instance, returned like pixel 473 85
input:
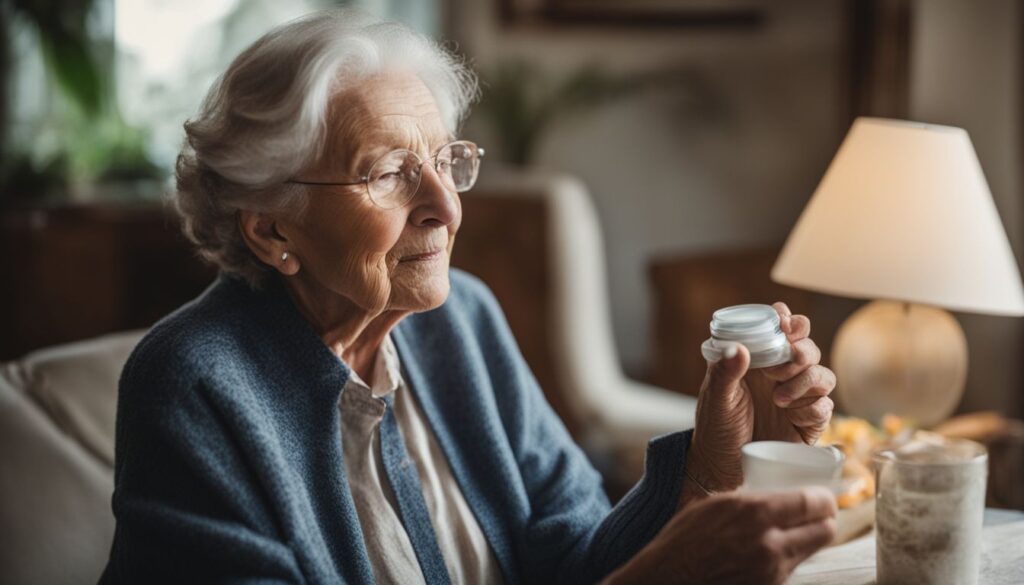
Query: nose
pixel 434 204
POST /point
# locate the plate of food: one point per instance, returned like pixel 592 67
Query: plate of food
pixel 858 439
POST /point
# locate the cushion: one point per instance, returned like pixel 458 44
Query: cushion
pixel 76 385
pixel 54 497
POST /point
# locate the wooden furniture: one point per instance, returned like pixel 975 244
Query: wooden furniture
pixel 1004 439
pixel 75 272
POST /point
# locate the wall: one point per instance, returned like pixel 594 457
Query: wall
pixel 966 71
pixel 665 182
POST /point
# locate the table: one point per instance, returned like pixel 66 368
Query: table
pixel 853 563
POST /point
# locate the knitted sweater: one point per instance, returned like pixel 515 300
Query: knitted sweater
pixel 229 458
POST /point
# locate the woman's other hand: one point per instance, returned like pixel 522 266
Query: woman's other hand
pixel 736 537
pixel 788 402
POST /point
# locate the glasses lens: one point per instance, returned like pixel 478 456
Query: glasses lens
pixel 458 164
pixel 394 178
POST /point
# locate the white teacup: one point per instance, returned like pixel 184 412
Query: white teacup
pixel 778 465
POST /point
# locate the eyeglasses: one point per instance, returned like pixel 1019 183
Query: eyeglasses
pixel 394 178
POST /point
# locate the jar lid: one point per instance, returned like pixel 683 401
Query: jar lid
pixel 755 326
pixel 743 321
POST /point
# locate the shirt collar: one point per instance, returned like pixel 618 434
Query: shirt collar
pixel 387 373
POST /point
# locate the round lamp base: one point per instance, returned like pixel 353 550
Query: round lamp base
pixel 900 358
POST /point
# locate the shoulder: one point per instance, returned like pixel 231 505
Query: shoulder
pixel 186 346
pixel 472 298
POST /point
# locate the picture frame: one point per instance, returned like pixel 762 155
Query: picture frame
pixel 634 13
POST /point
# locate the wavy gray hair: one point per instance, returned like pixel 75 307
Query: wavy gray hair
pixel 264 120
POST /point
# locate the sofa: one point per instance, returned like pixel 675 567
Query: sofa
pixel 57 411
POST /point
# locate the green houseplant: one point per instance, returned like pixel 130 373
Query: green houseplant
pixel 95 144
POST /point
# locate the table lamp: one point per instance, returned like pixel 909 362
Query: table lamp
pixel 903 215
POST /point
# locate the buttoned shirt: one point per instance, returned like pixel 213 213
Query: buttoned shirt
pixel 466 553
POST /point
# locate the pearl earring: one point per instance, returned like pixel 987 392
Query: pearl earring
pixel 284 257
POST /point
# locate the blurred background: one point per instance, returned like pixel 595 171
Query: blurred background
pixel 689 134
pixel 698 127
pixel 646 161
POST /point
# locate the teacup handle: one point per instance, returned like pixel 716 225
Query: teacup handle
pixel 840 459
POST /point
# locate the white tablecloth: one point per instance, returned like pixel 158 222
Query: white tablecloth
pixel 853 563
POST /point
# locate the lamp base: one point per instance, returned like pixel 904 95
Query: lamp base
pixel 900 358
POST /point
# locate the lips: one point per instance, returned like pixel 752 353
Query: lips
pixel 423 256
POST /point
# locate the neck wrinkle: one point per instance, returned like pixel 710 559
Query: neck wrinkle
pixel 349 331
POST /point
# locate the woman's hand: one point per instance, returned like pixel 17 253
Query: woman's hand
pixel 788 402
pixel 736 537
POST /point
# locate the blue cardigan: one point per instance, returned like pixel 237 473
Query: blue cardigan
pixel 229 457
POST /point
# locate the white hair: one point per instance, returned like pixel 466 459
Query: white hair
pixel 265 119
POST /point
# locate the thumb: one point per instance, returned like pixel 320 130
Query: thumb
pixel 724 375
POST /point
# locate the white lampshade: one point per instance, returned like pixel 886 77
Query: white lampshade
pixel 904 213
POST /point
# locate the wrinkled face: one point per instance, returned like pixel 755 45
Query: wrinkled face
pixel 379 259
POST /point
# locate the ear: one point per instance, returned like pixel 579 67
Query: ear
pixel 266 242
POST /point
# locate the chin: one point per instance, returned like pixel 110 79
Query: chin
pixel 424 295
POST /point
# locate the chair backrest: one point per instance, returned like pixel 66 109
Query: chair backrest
pixel 541 228
pixel 503 240
pixel 57 410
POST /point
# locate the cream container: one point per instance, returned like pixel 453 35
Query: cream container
pixel 756 327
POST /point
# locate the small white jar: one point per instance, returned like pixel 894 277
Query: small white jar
pixel 756 327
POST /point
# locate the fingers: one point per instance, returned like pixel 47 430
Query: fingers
pixel 811 411
pixel 800 542
pixel 784 314
pixel 766 535
pixel 723 377
pixel 812 418
pixel 782 309
pixel 803 354
pixel 794 326
pixel 799 327
pixel 796 508
pixel 814 381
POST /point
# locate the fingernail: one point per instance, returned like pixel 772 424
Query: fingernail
pixel 782 399
pixel 730 352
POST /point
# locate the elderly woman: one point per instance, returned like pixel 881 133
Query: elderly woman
pixel 341 407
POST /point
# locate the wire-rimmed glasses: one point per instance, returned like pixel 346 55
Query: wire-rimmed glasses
pixel 394 178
